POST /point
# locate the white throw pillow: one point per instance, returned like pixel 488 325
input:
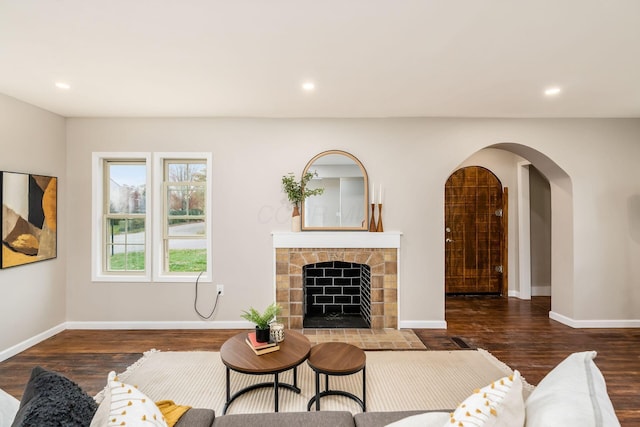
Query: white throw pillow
pixel 8 408
pixel 126 406
pixel 101 417
pixel 498 404
pixel 574 393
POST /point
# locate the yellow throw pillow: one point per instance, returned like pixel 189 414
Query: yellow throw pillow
pixel 500 404
pixel 171 412
pixel 130 407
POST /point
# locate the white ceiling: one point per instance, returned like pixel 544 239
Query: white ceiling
pixel 368 58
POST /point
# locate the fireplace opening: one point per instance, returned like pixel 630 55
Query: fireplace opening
pixel 337 295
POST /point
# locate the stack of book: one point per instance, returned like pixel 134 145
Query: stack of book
pixel 261 348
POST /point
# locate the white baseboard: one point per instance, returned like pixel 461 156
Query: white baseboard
pixel 423 324
pixel 20 347
pixel 407 324
pixel 622 323
pixel 516 294
pixel 240 324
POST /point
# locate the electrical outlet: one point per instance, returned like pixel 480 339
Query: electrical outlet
pixel 220 290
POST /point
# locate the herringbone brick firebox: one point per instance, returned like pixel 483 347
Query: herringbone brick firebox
pixel 383 264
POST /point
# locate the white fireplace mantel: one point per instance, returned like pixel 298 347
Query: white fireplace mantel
pixel 336 239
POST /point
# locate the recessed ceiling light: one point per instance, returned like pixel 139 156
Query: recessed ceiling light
pixel 552 91
pixel 308 86
pixel 63 85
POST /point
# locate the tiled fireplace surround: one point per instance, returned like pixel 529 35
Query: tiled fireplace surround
pixel 377 250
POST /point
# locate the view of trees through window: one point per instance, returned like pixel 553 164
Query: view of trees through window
pixel 182 218
pixel 185 219
pixel 152 217
pixel 125 217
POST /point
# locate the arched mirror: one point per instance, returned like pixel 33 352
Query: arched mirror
pixel 343 204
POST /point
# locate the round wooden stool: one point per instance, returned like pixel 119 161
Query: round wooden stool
pixel 335 358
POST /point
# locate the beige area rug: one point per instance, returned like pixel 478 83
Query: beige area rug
pixel 403 380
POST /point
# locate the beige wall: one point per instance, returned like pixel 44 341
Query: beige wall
pixel 591 165
pixel 33 296
pixel 412 158
pixel 540 203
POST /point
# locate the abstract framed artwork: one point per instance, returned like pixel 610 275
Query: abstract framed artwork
pixel 28 218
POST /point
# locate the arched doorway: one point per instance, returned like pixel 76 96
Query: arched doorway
pixel 474 232
pixel 561 225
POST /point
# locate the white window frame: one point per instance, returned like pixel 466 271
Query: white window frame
pixel 98 272
pixel 154 251
pixel 159 275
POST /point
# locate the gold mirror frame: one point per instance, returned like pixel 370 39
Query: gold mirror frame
pixel 313 200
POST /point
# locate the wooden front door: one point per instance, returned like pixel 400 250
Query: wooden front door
pixel 473 232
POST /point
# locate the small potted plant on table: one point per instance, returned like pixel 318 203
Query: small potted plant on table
pixel 262 320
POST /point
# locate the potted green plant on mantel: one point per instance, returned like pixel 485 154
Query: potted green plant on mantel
pixel 262 320
pixel 297 192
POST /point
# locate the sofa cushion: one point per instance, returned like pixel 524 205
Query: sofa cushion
pixel 574 393
pixel 197 417
pixel 306 419
pixel 499 404
pixel 51 399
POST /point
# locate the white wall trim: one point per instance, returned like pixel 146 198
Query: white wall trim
pixel 20 347
pixel 524 231
pixel 159 275
pixel 620 323
pixel 513 293
pixel 336 239
pixel 422 324
pixel 149 325
pixel 97 200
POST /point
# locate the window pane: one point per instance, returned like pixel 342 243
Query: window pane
pixel 125 258
pixel 115 258
pixel 187 255
pixel 125 250
pixel 185 172
pixel 125 231
pixel 185 216
pixel 177 199
pixel 187 227
pixel 127 188
pixel 135 258
pixel 185 200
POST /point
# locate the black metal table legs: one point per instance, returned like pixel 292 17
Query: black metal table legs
pixel 276 384
pixel 327 391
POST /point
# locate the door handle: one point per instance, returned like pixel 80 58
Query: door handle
pixel 448 240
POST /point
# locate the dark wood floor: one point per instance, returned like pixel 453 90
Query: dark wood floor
pixel 517 332
pixel 521 334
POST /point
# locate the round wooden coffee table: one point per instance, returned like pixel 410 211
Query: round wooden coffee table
pixel 237 356
pixel 336 358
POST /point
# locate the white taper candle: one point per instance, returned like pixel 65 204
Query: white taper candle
pixel 373 193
